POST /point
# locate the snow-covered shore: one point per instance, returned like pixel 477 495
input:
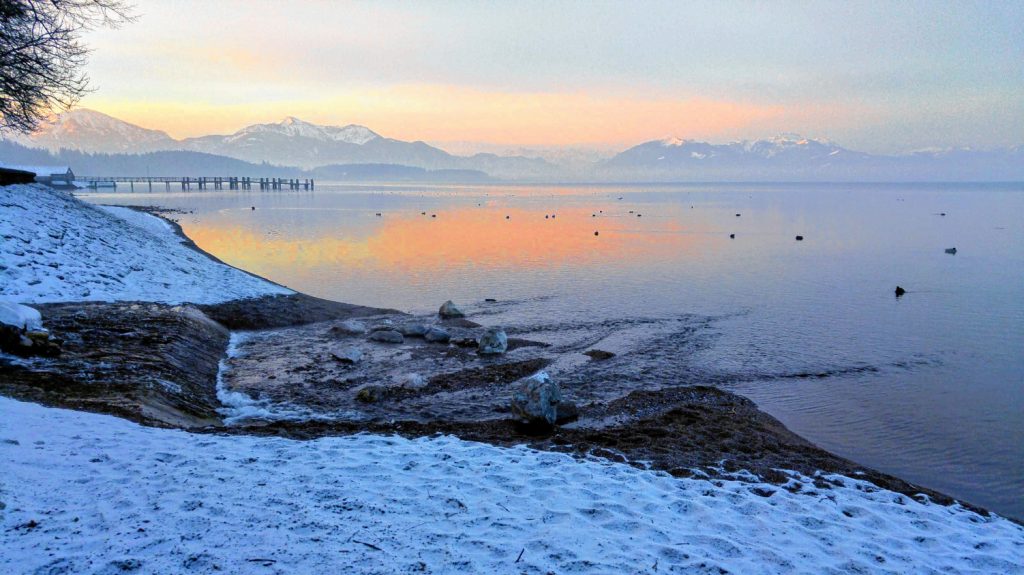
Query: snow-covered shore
pixel 87 493
pixel 56 248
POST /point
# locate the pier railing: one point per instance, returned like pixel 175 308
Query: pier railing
pixel 200 183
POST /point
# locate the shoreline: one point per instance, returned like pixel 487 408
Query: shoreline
pixel 687 431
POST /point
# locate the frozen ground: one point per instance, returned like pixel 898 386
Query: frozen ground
pixel 55 248
pixel 87 493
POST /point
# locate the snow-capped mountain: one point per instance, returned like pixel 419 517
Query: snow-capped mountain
pixel 793 157
pixel 295 142
pixel 294 127
pixel 91 131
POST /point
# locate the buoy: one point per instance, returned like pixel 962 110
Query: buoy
pixel 254 208
pixel 596 234
pixel 900 291
pixel 638 215
pixel 737 215
pixel 433 215
pixel 799 238
pixel 732 236
pixel 545 217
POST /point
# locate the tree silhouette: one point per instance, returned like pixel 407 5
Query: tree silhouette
pixel 42 55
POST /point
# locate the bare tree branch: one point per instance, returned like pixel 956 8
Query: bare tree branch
pixel 42 55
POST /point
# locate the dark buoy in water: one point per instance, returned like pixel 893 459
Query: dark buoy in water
pixel 552 216
pixel 900 291
pixel 433 215
pixel 507 217
pixel 254 208
pixel 799 238
pixel 942 214
pixel 490 300
pixel 737 215
pixel 545 216
pixel 951 251
pixel 423 213
pixel 596 234
pixel 593 215
pixel 639 215
pixel 378 214
pixel 732 236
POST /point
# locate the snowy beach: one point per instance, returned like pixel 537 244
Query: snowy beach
pixel 85 492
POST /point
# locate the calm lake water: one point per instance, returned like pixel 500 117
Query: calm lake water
pixel 929 387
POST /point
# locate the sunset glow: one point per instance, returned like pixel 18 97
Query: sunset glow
pixel 878 78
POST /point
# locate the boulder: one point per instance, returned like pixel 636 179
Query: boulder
pixel 437 335
pixel 350 327
pixel 493 341
pixel 350 355
pixel 387 336
pixel 449 310
pixel 536 400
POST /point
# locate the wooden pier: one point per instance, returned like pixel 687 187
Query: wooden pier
pixel 201 182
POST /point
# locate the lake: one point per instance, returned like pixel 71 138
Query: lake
pixel 928 386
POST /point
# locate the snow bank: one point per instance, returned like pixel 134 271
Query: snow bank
pixel 87 493
pixel 54 247
pixel 20 316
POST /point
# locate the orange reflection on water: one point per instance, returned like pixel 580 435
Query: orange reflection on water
pixel 462 237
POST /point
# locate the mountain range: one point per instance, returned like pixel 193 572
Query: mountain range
pixel 304 147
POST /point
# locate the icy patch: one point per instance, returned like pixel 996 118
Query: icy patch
pixel 54 247
pixel 84 492
pixel 240 408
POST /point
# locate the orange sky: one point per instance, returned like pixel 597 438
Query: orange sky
pixel 443 113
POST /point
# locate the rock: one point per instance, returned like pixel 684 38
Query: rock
pixel 413 381
pixel 387 336
pixel 536 400
pixel 350 355
pixel 951 251
pixel 449 310
pixel 437 335
pixel 566 412
pixel 414 329
pixel 900 291
pixel 599 354
pixel 350 327
pixel 493 341
pixel 20 316
pixel 371 393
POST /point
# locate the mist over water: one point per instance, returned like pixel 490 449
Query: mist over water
pixel 929 387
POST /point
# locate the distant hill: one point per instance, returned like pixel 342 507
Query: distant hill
pixel 790 157
pixel 291 142
pixel 181 163
pixel 261 150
